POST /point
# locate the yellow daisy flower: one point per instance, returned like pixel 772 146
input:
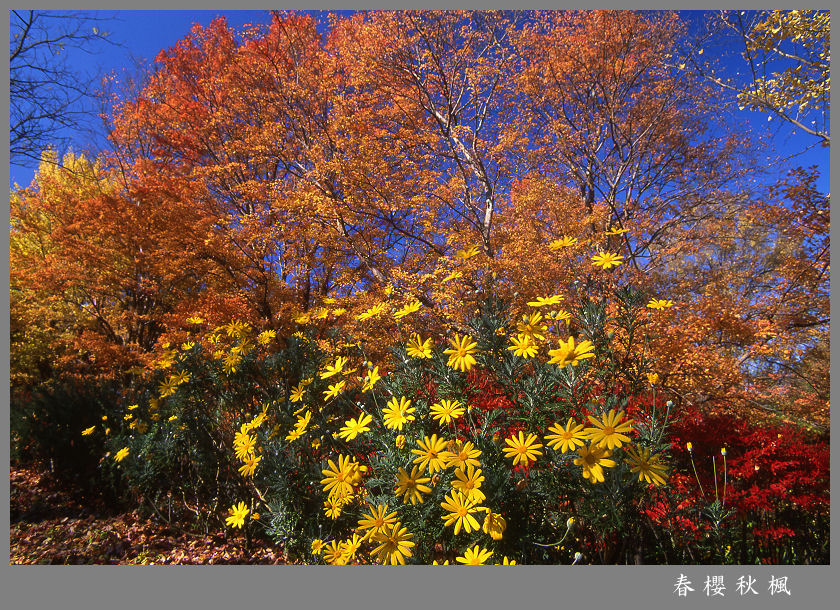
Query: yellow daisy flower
pixel 522 449
pixel 543 301
pixel 167 388
pixel 468 481
pixel 376 521
pixel 646 465
pixel 494 525
pixel 566 439
pixel 459 509
pixel 467 253
pixel 532 326
pixel 238 512
pixel 370 380
pixel 606 260
pixel 569 353
pixel 399 413
pixel 446 410
pixel 408 309
pixel 419 348
pixel 563 242
pixel 461 354
pixel 462 454
pixel 335 368
pixel 593 460
pixel 411 486
pixel 244 445
pixel 475 556
pixel 250 466
pixel 373 311
pixel 660 304
pixel 353 427
pixel 334 390
pixel 523 345
pixel 350 547
pixel 394 545
pixel 429 454
pixel 338 476
pixel 608 432
pixel 265 337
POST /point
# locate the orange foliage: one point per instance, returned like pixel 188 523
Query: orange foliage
pixel 290 179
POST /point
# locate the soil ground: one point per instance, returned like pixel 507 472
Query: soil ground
pixel 51 522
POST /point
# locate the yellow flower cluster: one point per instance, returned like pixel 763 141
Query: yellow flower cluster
pixel 569 353
pixel 604 436
pixel 341 480
pixel 302 422
pixel 461 491
pixel 168 386
pixel 244 445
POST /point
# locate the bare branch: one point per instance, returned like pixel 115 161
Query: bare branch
pixel 46 92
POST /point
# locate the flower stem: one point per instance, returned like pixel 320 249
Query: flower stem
pixel 714 471
pixel 695 475
pixel 554 543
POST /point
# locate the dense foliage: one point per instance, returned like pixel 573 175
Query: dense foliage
pixel 482 273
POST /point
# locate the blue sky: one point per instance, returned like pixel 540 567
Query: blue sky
pixel 143 34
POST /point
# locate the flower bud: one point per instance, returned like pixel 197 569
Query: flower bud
pixel 689 446
pixel 669 404
pixel 570 522
pixel 723 451
pixel 578 557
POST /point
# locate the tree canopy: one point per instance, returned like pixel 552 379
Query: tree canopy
pixel 295 175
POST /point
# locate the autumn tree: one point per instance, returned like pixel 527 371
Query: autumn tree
pixel 752 280
pixel 96 265
pixel 434 157
pixel 244 124
pixel 786 57
pixel 329 168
